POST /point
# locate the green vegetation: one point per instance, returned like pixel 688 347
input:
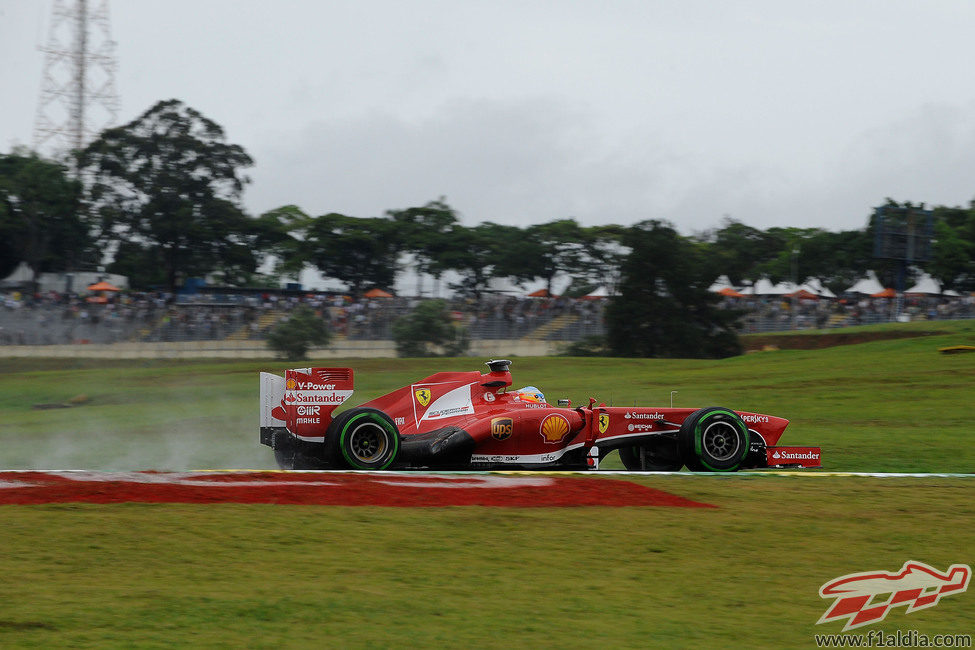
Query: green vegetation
pixel 163 194
pixel 299 332
pixel 888 405
pixel 746 574
pixel 427 329
pixel 39 221
pixel 664 307
pixel 166 188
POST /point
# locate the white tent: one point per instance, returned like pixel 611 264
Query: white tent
pixel 763 287
pixel 600 292
pixel 814 285
pixel 867 286
pixel 721 283
pixel 783 288
pixel 926 284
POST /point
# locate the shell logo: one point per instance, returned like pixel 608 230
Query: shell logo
pixel 554 428
pixel 291 384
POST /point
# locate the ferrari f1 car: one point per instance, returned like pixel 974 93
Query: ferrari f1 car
pixel 470 420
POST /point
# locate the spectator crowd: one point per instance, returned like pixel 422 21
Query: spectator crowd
pixel 60 318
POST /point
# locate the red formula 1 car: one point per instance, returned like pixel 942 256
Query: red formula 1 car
pixel 470 420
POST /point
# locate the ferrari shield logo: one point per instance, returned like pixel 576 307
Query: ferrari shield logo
pixel 422 396
pixel 603 422
pixel 501 428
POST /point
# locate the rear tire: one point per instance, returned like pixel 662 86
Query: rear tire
pixel 655 455
pixel 713 439
pixel 363 438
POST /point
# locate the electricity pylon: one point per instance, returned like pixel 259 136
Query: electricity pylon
pixel 78 95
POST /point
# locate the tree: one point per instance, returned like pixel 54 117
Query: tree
pixel 554 248
pixel 143 266
pixel 664 308
pixel 293 337
pixel 39 216
pixel 168 182
pixel 738 249
pixel 479 254
pixel 428 233
pixel 358 251
pixel 952 256
pixel 428 328
pixel 279 234
pixel 605 252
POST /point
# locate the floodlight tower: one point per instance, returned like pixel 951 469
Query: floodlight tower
pixel 78 96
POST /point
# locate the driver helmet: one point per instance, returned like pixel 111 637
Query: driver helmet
pixel 529 394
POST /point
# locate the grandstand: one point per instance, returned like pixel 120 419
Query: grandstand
pixel 245 318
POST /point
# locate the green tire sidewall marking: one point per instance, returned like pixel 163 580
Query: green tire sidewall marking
pixel 698 433
pixel 381 421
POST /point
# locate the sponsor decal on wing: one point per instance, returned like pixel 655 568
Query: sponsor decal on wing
pixel 422 396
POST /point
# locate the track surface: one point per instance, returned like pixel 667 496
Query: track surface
pixel 331 488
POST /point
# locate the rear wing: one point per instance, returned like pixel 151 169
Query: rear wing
pixel 303 400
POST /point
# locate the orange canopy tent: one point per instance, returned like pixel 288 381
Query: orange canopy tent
pixel 542 293
pixel 377 293
pixel 802 294
pixel 886 293
pixel 731 293
pixel 102 286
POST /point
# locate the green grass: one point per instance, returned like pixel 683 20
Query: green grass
pixel 891 405
pixel 746 574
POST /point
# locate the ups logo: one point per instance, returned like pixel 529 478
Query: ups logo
pixel 501 428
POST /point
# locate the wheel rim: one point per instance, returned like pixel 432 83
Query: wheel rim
pixel 721 440
pixel 367 442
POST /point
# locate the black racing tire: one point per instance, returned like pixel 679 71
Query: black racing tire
pixel 658 455
pixel 713 439
pixel 363 438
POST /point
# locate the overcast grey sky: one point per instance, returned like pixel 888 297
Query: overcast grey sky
pixel 775 113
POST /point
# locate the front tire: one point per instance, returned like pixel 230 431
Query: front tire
pixel 713 439
pixel 364 439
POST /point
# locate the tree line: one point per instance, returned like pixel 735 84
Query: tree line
pixel 159 200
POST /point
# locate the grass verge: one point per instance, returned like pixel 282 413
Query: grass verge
pixel 746 574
